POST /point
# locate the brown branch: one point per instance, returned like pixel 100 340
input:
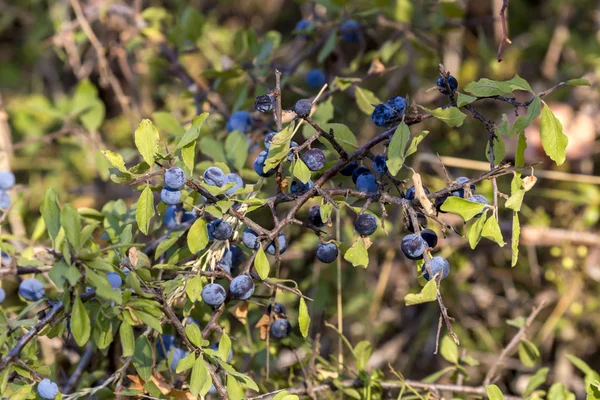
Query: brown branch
pixel 504 29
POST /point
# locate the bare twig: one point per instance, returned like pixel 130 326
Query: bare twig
pixel 504 29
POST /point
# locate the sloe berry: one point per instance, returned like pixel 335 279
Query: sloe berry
pixel 282 240
pixel 383 115
pixel 276 308
pixel 398 103
pixel 327 252
pixel 367 183
pixel 349 169
pixel 221 229
pixel 411 192
pixel 290 154
pixel 174 178
pixel 241 287
pixel 114 279
pixel 235 178
pixel 438 264
pixel 4 200
pixel 213 294
pixel 7 180
pixel 280 328
pixel 2 295
pixel 170 197
pixel 259 165
pixel 478 198
pixel 314 159
pixel 32 289
pixel 297 187
pixel 452 83
pixel 177 355
pixel 169 342
pixel 264 103
pixel 349 30
pixel 302 26
pixel 47 389
pixel 358 172
pixel 314 217
pixel 240 121
pixel 461 192
pixel 214 176
pixel 413 246
pixel 380 164
pixel 430 237
pixel 303 107
pixel 250 239
pixel 315 78
pixel 268 137
pixel 365 224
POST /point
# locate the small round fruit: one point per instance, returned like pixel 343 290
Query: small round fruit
pixel 303 107
pixel 282 240
pixel 168 341
pixel 7 180
pixel 367 183
pixel 327 252
pixel 213 294
pixel 259 165
pixel 365 224
pixel 174 178
pixel 380 164
pixel 170 197
pixel 280 328
pixel 214 176
pixel 277 309
pixel 2 295
pixel 235 178
pixel 315 78
pixel 298 187
pixel 358 172
pixel 411 192
pixel 32 289
pixel 264 103
pixel 383 115
pixel 413 246
pixel 240 121
pixel 349 169
pixel 291 154
pixel 438 265
pixel 114 279
pixel 170 217
pixel 302 26
pixel 314 217
pixel 430 237
pixel 461 192
pixel 398 103
pixel 5 200
pixel 452 83
pixel 349 30
pixel 47 389
pixel 268 138
pixel 241 287
pixel 221 229
pixel 177 355
pixel 250 239
pixel 314 159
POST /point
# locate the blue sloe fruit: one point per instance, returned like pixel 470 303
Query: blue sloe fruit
pixel 235 178
pixel 268 138
pixel 213 294
pixel 365 224
pixel 367 183
pixel 398 103
pixel 430 237
pixel 410 193
pixel 2 295
pixel 314 159
pixel 47 389
pixel 413 246
pixel 240 121
pixel 241 287
pixel 221 229
pixel 302 26
pixel 383 115
pixel 380 164
pixel 452 83
pixel 31 289
pixel 4 199
pixel 214 176
pixel 315 78
pixel 282 240
pixel 358 172
pixel 276 308
pixel 170 197
pixel 264 103
pixel 438 265
pixel 250 239
pixel 349 30
pixel 7 180
pixel 303 107
pixel 259 165
pixel 314 217
pixel 280 328
pixel 177 355
pixel 461 192
pixel 290 154
pixel 349 169
pixel 114 279
pixel 174 178
pixel 169 342
pixel 170 217
pixel 327 252
pixel 297 187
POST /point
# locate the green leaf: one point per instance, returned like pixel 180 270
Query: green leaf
pixel 303 317
pixel 325 211
pixel 536 380
pixel 491 230
pixel 558 391
pixel 517 192
pixel 459 206
pixel 191 135
pixel 520 152
pixel 362 354
pixel 327 47
pixel 236 149
pixel 475 229
pixel 518 322
pixel 578 82
pixel 449 350
pixel 415 143
pixel 279 148
pixel 464 99
pixel 516 232
pixel 115 160
pixel 224 347
pixel 145 210
pixel 343 135
pixel 168 242
pixel 199 378
pixel 186 363
pixel 554 140
pixel 487 87
pixel 80 323
pixel 522 122
pixel 148 319
pixel 301 171
pixel 188 155
pixel 365 100
pixel 580 364
pixel 71 223
pixel 528 353
pixel 427 294
pixel 397 148
pixel 146 140
pixel 197 237
pixel 285 395
pixel 357 254
pixel 51 213
pixel 344 83
pixel 127 339
pixel 166 122
pixel 193 288
pixel 499 150
pixel 494 393
pixel 142 358
pixel 261 263
pixel 194 335
pixel 213 149
pixel 452 116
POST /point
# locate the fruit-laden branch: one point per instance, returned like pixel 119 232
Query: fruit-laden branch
pixel 386 386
